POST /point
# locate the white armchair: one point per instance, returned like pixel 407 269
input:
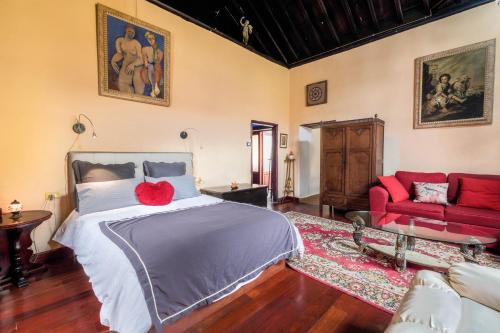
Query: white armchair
pixel 467 300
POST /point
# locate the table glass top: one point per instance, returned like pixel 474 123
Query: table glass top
pixel 420 227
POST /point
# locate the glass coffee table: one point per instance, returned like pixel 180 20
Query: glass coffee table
pixel 407 228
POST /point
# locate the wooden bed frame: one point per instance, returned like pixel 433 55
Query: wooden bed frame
pixel 204 312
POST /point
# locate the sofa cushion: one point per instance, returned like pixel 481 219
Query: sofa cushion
pixel 479 193
pixel 396 190
pixel 478 283
pixel 454 178
pixel 407 178
pixel 409 207
pixel 431 193
pixel 474 216
pixel 478 318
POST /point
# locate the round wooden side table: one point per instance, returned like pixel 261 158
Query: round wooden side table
pixel 18 235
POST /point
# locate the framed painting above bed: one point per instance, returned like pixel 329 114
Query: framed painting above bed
pixel 455 87
pixel 133 58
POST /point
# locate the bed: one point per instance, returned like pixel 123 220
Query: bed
pixel 131 277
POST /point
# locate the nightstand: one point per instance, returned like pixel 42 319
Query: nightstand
pixel 18 235
pixel 245 193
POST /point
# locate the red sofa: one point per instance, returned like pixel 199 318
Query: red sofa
pixel 485 220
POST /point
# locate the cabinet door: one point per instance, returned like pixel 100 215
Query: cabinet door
pixel 358 159
pixel 332 160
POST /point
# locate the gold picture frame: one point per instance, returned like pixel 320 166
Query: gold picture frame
pixel 455 87
pixel 133 58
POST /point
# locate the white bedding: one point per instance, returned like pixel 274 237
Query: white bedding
pixel 113 278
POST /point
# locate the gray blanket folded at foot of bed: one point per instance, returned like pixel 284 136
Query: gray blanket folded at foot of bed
pixel 188 258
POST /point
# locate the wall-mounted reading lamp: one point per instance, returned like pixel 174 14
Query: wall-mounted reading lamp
pixel 79 127
pixel 184 133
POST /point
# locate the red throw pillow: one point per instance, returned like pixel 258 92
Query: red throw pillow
pixel 395 188
pixel 152 194
pixel 479 193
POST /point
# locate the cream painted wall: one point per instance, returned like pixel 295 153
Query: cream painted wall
pixel 49 76
pixel 378 78
pixel 309 159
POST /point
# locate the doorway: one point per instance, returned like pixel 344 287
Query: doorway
pixel 264 160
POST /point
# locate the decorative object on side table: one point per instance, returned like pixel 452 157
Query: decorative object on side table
pixel 316 93
pixel 133 58
pixel 234 185
pixel 18 234
pixel 455 87
pixel 15 207
pixel 246 193
pixel 283 140
pixel 289 190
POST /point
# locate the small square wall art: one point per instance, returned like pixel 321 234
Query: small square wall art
pixel 316 93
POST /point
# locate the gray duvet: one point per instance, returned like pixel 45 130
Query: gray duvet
pixel 189 258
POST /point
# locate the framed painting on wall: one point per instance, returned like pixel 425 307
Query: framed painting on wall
pixel 316 93
pixel 133 58
pixel 283 140
pixel 455 87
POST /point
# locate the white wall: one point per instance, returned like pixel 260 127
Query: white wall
pixel 309 161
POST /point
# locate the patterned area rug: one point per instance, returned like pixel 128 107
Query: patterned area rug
pixel 332 257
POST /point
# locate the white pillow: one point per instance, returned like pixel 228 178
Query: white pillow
pixel 479 283
pixel 184 186
pixel 436 193
pixel 100 196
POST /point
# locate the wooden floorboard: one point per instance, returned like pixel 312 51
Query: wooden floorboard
pixel 61 300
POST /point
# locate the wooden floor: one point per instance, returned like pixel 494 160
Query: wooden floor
pixel 61 300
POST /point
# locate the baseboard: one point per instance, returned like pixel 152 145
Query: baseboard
pixel 288 199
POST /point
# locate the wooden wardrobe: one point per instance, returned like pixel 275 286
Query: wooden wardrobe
pixel 352 154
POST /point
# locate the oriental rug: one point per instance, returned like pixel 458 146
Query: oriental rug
pixel 332 257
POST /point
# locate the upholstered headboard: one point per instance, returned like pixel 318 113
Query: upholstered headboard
pixel 123 157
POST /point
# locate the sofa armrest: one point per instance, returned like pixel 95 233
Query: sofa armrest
pixel 379 197
pixel 430 305
pixel 478 283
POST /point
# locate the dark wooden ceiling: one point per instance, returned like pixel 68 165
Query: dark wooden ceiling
pixel 294 32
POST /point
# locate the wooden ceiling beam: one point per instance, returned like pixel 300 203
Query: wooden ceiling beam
pixel 427 7
pixel 399 10
pixel 329 23
pixel 350 17
pixel 263 25
pixel 373 14
pixel 295 31
pixel 277 24
pixel 235 21
pixel 440 4
pixel 316 35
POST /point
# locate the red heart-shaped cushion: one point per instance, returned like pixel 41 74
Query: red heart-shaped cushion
pixel 152 194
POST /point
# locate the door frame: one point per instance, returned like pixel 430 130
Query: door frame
pixel 274 161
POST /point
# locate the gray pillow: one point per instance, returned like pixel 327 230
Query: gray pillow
pixel 184 186
pixel 101 196
pixel 86 172
pixel 163 169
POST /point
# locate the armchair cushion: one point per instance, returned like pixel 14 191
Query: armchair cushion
pixel 478 283
pixel 433 309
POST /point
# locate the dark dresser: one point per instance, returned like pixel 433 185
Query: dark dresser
pixel 246 193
